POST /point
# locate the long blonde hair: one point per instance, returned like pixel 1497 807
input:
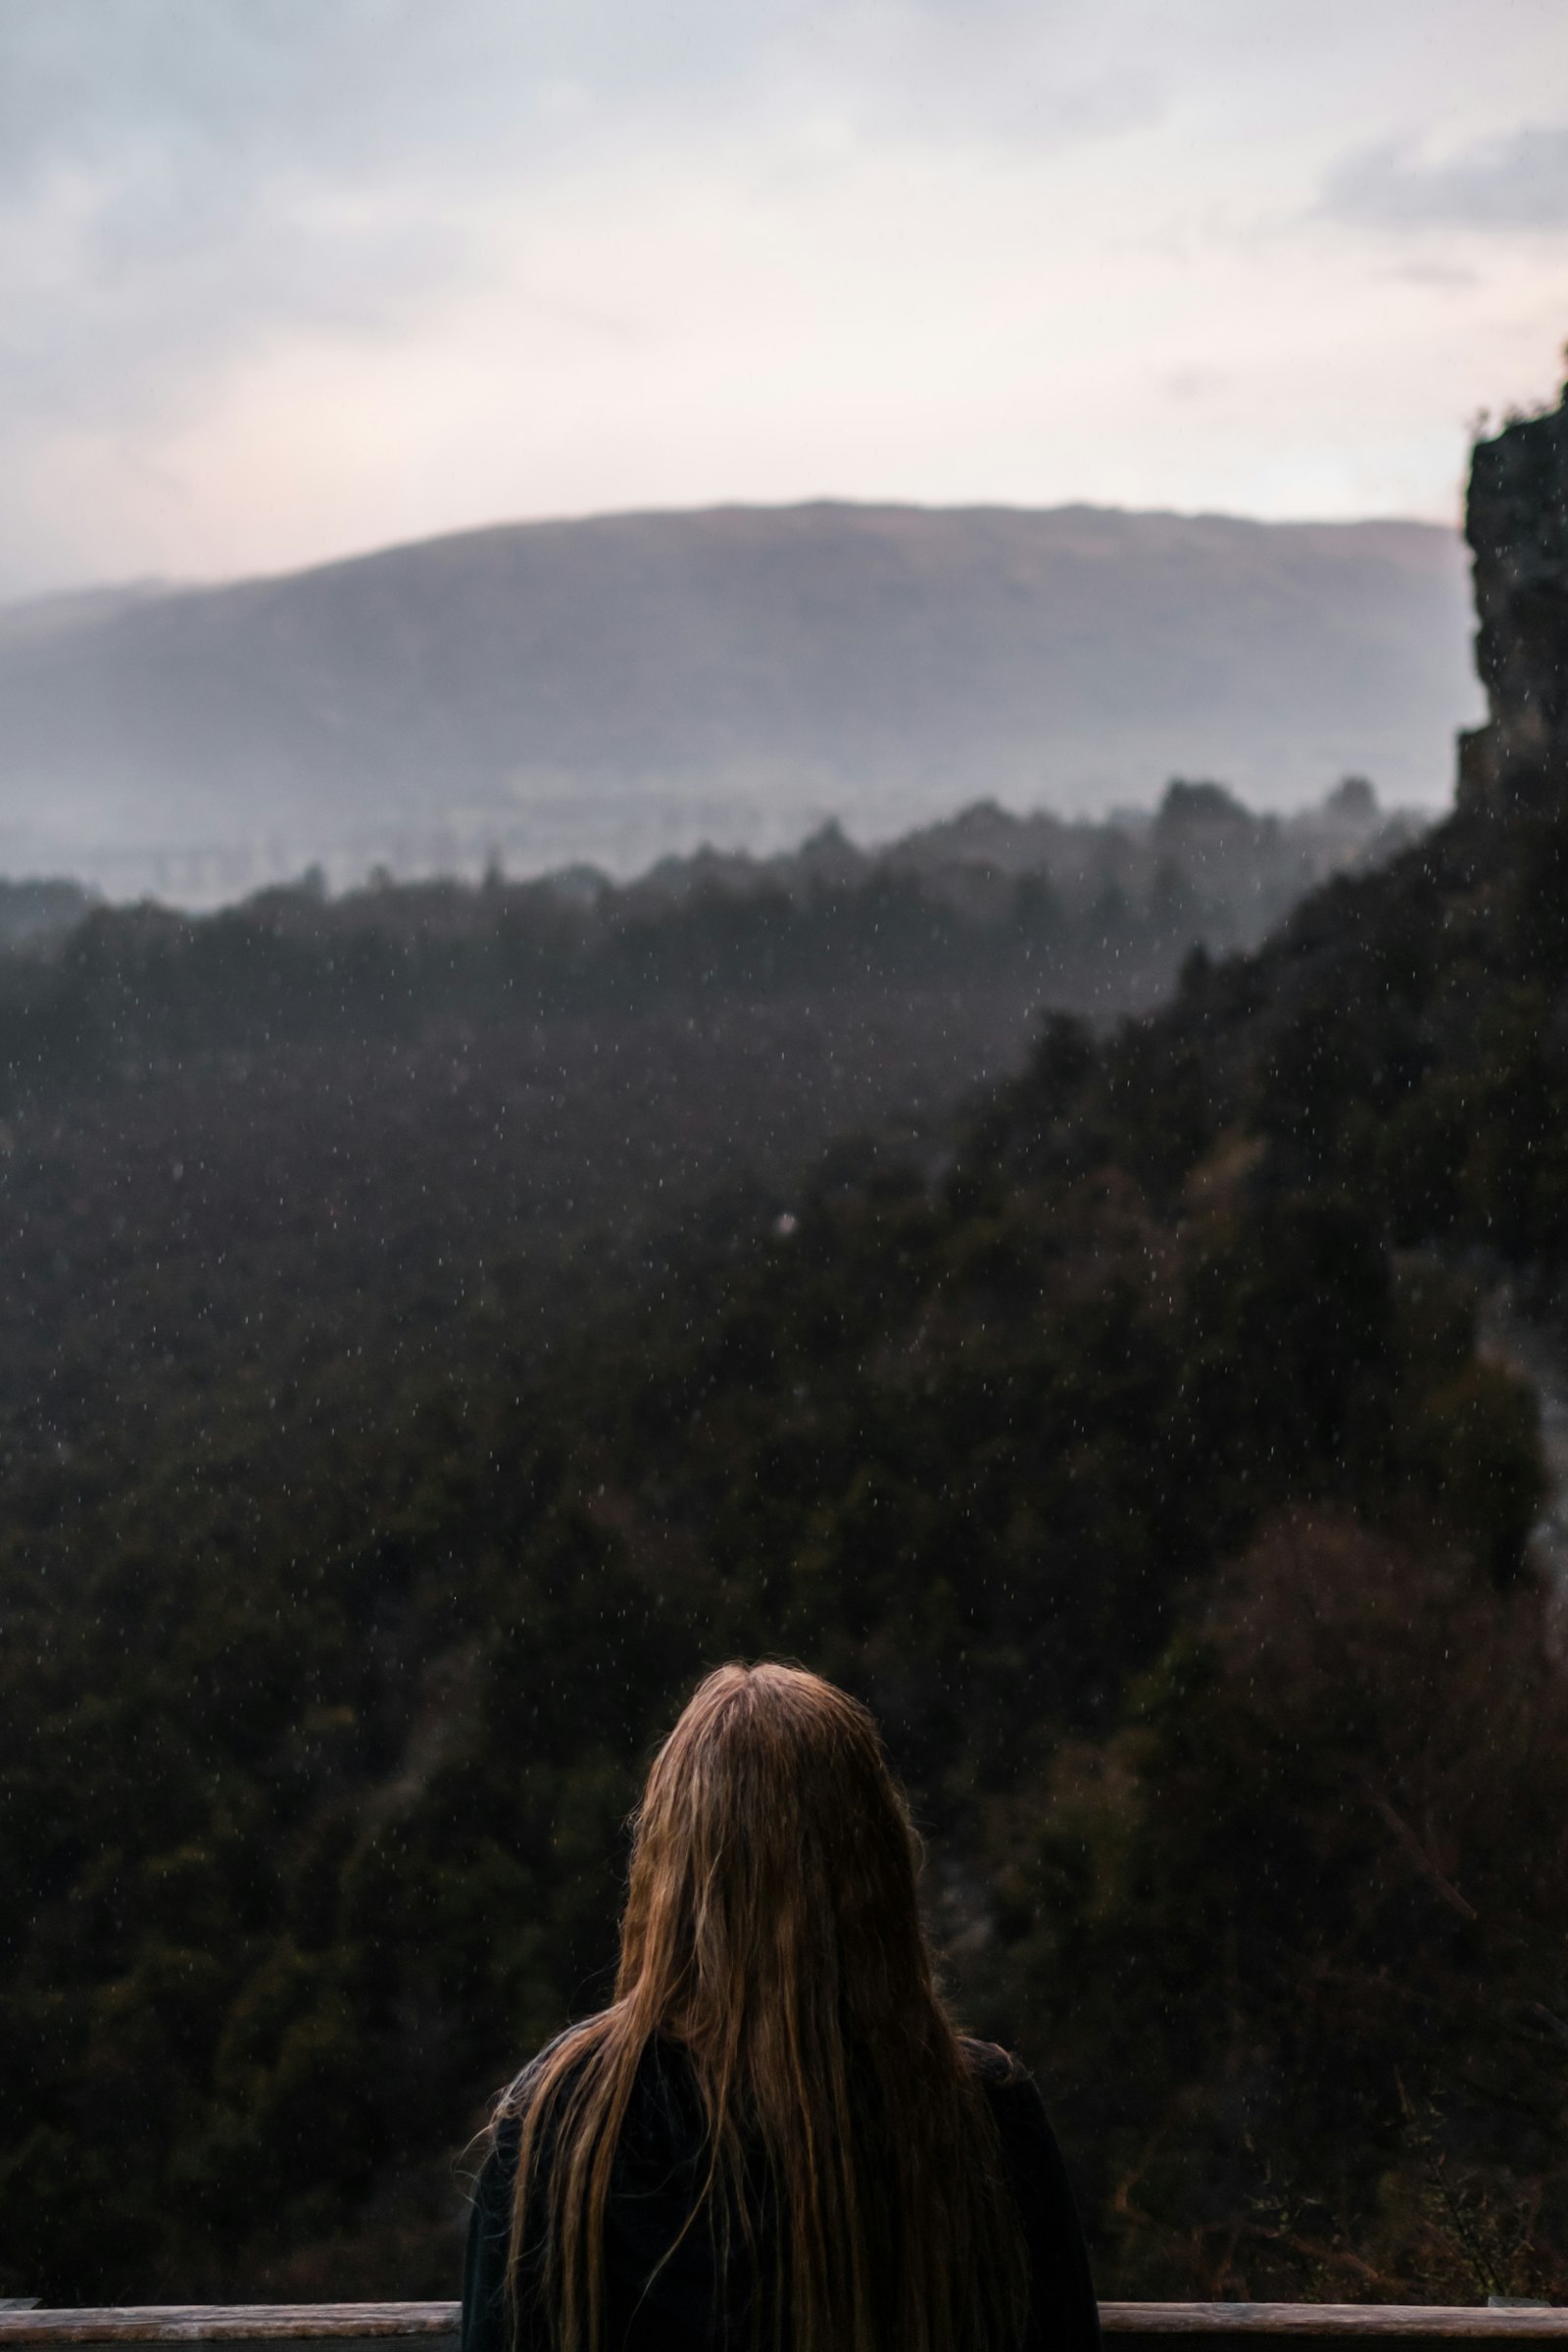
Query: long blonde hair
pixel 772 1930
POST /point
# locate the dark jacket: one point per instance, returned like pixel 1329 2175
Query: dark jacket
pixel 677 2308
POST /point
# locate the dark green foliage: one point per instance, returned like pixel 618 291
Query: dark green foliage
pixel 133 989
pixel 1293 1936
pixel 1131 1454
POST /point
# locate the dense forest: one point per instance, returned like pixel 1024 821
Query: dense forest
pixel 1125 1439
pixel 1093 915
pixel 242 1150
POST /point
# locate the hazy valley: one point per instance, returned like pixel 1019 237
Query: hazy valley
pixel 617 689
pixel 1030 1271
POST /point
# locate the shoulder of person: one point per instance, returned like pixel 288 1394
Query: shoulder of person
pixel 573 2043
pixel 514 2102
pixel 997 2069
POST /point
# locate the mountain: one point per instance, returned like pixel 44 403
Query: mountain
pixel 622 687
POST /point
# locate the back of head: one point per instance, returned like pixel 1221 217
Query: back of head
pixel 772 1930
pixel 772 1918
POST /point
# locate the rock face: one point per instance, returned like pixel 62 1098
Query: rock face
pixel 1517 525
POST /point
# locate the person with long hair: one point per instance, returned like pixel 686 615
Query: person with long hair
pixel 773 2137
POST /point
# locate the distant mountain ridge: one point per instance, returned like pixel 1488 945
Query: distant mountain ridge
pixel 628 685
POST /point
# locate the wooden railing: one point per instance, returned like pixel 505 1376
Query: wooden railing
pixel 344 2327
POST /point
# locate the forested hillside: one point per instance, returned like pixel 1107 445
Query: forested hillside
pixel 1094 917
pixel 248 1146
pixel 1129 1447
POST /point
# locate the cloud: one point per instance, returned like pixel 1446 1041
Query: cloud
pixel 282 278
pixel 183 183
pixel 1515 181
pixel 350 87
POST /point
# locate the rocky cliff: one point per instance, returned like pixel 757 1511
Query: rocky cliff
pixel 1517 525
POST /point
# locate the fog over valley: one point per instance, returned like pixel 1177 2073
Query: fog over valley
pixel 620 688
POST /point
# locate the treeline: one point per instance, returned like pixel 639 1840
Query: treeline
pixel 133 987
pixel 1091 915
pixel 39 914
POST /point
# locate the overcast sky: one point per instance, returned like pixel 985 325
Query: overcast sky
pixel 285 278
